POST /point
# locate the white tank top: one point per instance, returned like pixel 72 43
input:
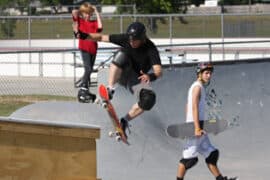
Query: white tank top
pixel 189 116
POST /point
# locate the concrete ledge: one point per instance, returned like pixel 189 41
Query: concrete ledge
pixel 44 127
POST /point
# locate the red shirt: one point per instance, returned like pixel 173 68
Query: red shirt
pixel 88 26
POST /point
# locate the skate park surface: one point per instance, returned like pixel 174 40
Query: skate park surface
pixel 243 93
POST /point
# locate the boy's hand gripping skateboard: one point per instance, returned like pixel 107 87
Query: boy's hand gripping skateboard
pixel 118 132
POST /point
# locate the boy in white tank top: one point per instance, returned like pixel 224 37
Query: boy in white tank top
pixel 199 143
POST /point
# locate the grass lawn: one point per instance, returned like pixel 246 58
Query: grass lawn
pixel 194 27
pixel 9 104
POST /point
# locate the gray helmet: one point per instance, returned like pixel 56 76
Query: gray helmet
pixel 136 31
pixel 204 66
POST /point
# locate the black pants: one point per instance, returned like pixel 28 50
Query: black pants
pixel 88 63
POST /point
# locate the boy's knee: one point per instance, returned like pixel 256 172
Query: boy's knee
pixel 189 163
pixel 212 158
pixel 121 59
pixel 147 99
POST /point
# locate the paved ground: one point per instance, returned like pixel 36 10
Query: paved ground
pixel 243 94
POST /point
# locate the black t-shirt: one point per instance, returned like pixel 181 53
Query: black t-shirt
pixel 142 58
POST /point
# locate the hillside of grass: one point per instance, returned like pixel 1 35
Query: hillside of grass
pixel 10 103
pixel 187 27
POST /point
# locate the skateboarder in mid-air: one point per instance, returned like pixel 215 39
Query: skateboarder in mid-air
pixel 199 143
pixel 131 65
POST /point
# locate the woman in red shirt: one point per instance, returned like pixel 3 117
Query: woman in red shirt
pixel 83 21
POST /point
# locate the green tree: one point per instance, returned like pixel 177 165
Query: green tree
pixel 21 5
pixel 4 4
pixel 56 4
pixel 7 25
pixel 153 7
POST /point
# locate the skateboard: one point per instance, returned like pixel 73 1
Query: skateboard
pixel 183 130
pixel 118 132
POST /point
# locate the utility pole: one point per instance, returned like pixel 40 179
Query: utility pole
pixel 249 6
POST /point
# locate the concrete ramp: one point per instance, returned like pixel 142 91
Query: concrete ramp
pixel 243 93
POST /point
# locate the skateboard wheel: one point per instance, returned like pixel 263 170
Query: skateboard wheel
pixel 118 138
pixel 97 101
pixel 111 134
pixel 104 105
pixel 117 133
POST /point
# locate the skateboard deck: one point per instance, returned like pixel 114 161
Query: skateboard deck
pixel 118 131
pixel 183 130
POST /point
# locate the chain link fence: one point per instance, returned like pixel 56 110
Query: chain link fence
pixel 48 72
pixel 158 26
pixel 40 71
pixel 55 71
pixel 58 71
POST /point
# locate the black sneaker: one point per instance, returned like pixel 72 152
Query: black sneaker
pixel 84 96
pixel 124 126
pixel 234 178
pixel 110 92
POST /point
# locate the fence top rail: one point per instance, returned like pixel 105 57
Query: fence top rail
pixel 134 15
pixel 215 43
pixel 247 50
pixel 35 50
pixel 161 47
